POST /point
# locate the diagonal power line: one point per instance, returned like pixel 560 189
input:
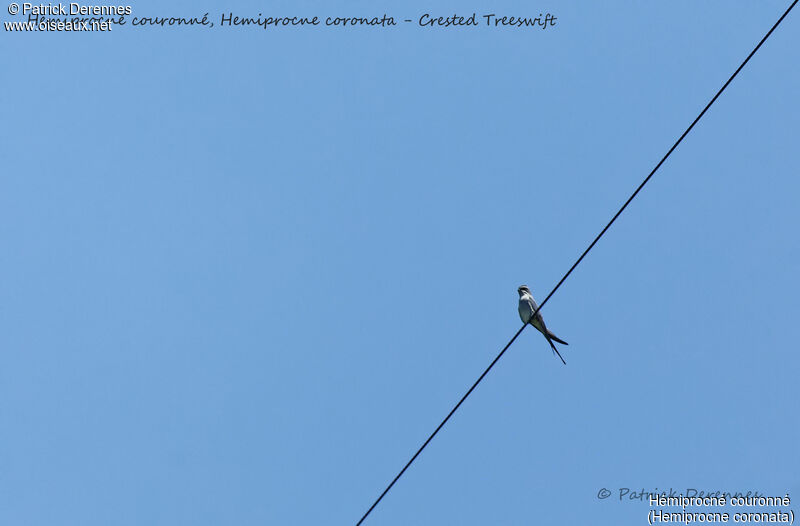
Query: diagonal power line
pixel 577 262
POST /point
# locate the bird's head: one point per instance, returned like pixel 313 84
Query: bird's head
pixel 523 289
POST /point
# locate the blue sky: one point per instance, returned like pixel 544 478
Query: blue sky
pixel 245 273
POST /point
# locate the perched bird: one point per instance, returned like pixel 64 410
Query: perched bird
pixel 527 306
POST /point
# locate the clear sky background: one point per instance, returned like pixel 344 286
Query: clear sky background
pixel 245 273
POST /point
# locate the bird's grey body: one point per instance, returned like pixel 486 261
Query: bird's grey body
pixel 527 306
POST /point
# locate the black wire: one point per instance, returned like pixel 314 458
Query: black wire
pixel 596 239
pixel 443 423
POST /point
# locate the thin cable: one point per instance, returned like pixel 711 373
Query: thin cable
pixel 596 239
pixel 443 423
pixel 668 153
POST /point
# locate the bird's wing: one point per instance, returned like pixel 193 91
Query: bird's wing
pixel 534 308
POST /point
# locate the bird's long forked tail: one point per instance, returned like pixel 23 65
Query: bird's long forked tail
pixel 555 338
pixel 552 345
